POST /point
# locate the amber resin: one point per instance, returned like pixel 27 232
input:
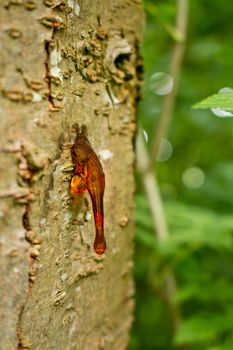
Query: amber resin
pixel 89 175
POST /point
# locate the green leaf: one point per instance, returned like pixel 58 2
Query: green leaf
pixel 224 101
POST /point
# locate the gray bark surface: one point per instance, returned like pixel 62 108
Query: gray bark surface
pixel 64 63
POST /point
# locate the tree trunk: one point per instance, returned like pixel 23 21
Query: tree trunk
pixel 65 63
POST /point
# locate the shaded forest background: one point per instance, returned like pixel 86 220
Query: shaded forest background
pixel 194 171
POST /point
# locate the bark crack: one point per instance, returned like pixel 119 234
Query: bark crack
pixel 48 75
pixel 19 334
pixel 26 173
pixel 35 240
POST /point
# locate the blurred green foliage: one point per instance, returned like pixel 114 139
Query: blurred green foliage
pixel 199 249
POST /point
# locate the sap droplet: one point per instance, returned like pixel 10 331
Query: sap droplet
pixel 145 135
pixel 222 113
pixel 225 90
pixel 161 83
pixel 165 151
pixel 100 245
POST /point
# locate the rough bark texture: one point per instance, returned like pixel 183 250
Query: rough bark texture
pixel 66 62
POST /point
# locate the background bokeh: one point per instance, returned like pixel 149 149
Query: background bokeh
pixel 194 170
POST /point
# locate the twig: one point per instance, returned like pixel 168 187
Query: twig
pixel 151 189
pixel 159 222
pixel 144 162
pixel 175 67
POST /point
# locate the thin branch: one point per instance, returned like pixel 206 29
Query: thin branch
pixel 151 189
pixel 144 162
pixel 175 67
pixel 159 222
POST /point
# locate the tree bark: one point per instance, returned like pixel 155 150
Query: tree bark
pixel 65 63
